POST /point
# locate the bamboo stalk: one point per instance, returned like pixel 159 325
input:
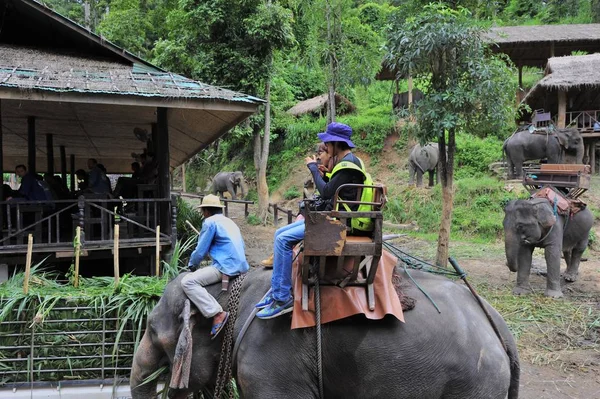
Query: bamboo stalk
pixel 116 255
pixel 157 251
pixel 28 263
pixel 192 227
pixel 77 253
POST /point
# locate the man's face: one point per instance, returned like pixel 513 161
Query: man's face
pixel 90 164
pixel 20 172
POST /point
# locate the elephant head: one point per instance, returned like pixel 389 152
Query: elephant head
pixel 525 224
pixel 237 179
pixel 572 144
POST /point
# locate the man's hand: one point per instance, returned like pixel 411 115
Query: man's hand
pixel 191 268
pixel 310 159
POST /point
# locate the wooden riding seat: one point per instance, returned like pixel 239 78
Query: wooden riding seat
pixel 336 256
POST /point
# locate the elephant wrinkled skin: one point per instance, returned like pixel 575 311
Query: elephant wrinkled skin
pixel 423 159
pixel 563 146
pixel 452 354
pixel 229 182
pixel 531 223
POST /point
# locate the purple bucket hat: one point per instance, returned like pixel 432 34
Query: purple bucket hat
pixel 337 132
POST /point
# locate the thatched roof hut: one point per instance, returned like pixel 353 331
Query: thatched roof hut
pixel 577 76
pixel 318 105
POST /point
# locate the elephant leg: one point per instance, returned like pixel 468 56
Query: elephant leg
pixel 552 255
pixel 518 170
pixel 524 268
pixel 146 361
pixel 411 173
pixel 431 178
pixel 572 272
pixel 511 169
pixel 419 178
pixel 231 189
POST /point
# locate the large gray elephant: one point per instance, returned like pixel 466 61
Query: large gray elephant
pixel 530 224
pixel 451 354
pixel 563 146
pixel 423 159
pixel 229 182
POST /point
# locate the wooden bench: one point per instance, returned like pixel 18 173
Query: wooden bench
pixel 572 179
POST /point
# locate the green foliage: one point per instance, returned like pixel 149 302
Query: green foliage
pixel 478 208
pixel 466 87
pixel 474 154
pixel 253 220
pixel 292 193
pixel 185 211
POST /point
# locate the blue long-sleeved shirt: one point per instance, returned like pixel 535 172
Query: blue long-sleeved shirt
pixel 31 189
pixel 221 239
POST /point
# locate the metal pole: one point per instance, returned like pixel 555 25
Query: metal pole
pixel 31 144
pixel 50 154
pixel 63 163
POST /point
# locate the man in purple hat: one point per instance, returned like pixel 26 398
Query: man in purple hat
pixel 349 169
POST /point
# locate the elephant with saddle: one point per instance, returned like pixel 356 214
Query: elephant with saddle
pixel 423 159
pixel 229 182
pixel 453 353
pixel 560 146
pixel 530 224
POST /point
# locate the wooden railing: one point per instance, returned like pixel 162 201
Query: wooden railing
pixel 582 119
pixel 53 223
pixel 226 201
pixel 276 210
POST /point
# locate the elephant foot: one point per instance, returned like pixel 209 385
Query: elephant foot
pixel 571 277
pixel 521 291
pixel 554 293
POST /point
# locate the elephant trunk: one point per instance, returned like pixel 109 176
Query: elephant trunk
pixel 511 248
pixel 139 390
pixel 146 361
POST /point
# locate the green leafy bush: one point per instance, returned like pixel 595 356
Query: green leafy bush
pixel 253 220
pixel 292 193
pixel 474 155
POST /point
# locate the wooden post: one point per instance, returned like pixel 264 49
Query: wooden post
pixel 593 155
pixel 63 164
pixel 157 273
pixel 72 172
pixel 410 90
pixel 562 109
pixel 28 263
pixel 552 49
pixel 183 177
pixel 31 144
pixel 1 172
pixel 77 253
pixel 521 77
pixel 163 158
pixel 50 154
pixel 116 254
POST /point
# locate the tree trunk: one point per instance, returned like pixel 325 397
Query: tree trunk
pixel 332 66
pixel 261 178
pixel 446 168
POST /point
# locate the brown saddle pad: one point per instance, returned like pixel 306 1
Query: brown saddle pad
pixel 564 206
pixel 338 303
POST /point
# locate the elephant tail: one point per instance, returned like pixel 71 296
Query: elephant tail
pixel 415 163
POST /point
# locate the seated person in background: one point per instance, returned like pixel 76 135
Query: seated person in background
pixel 82 180
pixel 7 192
pixel 31 189
pixel 222 240
pixel 149 169
pixel 136 170
pixel 62 187
pixel 98 182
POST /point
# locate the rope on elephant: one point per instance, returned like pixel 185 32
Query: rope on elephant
pixel 319 338
pixel 224 368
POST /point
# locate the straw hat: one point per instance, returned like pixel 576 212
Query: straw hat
pixel 211 201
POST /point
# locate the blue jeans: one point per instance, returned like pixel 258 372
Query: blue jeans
pixel 285 240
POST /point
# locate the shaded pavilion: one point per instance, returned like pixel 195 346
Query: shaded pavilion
pixel 67 95
pixel 570 91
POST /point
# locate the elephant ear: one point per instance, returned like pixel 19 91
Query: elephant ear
pixel 510 206
pixel 563 138
pixel 543 212
pixel 232 178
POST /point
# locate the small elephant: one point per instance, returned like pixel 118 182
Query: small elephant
pixel 530 224
pixel 564 145
pixel 230 182
pixel 421 160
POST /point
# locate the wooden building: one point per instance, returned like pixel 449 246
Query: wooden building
pixel 570 91
pixel 67 95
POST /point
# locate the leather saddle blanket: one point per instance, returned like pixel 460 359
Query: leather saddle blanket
pixel 338 303
pixel 564 206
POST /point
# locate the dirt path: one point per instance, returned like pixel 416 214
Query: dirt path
pixel 576 377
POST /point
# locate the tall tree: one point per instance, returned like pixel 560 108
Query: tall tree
pixel 465 87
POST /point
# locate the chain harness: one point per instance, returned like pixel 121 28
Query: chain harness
pixel 224 369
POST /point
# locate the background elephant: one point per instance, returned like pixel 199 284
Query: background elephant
pixel 421 160
pixel 229 182
pixel 456 352
pixel 531 223
pixel 563 145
